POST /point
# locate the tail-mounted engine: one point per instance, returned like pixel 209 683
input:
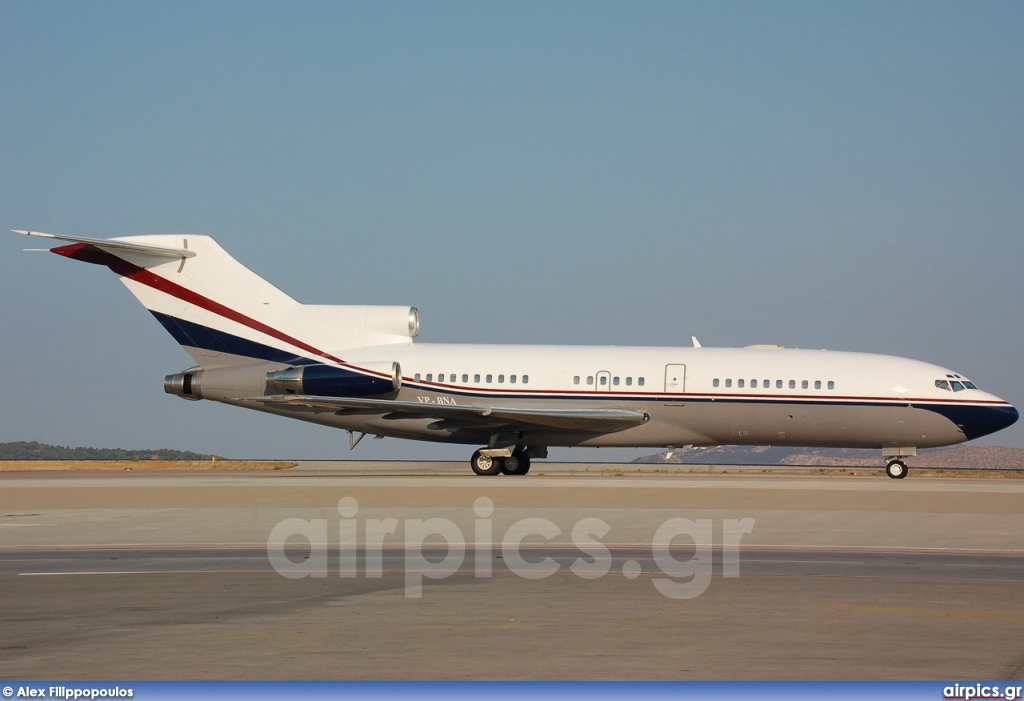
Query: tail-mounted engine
pixel 329 381
pixel 187 385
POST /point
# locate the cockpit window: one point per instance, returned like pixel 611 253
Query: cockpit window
pixel 957 385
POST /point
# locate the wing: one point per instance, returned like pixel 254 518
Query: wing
pixel 470 415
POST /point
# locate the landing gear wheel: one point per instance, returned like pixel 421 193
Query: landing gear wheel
pixel 484 465
pixel 518 463
pixel 897 469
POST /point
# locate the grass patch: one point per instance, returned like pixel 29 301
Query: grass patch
pixel 140 465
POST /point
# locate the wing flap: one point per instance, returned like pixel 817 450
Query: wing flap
pixel 598 420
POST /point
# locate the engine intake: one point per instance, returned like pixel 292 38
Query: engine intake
pixel 329 381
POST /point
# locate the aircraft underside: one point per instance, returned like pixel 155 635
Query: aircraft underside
pixel 896 430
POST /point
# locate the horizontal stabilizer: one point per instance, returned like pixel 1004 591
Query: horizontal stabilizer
pixel 115 245
pixel 221 312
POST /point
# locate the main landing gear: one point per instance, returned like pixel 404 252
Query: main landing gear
pixel 897 469
pixel 518 463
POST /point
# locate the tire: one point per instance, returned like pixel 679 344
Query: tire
pixel 896 469
pixel 485 466
pixel 518 463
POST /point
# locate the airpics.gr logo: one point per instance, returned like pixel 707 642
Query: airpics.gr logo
pixel 982 691
pixel 684 578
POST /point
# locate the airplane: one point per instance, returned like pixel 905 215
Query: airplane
pixel 357 368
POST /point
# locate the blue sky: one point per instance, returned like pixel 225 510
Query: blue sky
pixel 824 175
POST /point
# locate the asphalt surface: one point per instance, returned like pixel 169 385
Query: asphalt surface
pixel 332 571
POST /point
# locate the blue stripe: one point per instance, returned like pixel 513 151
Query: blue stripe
pixel 203 337
pixel 975 420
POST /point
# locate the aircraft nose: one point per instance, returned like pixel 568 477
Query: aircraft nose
pixel 989 419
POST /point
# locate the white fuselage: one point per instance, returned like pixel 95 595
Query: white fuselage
pixel 694 396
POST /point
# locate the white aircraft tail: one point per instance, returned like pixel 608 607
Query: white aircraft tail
pixel 222 313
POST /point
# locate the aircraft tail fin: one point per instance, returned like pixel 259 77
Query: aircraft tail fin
pixel 222 313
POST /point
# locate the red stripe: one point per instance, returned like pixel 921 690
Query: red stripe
pixel 681 397
pixel 92 254
pixel 186 295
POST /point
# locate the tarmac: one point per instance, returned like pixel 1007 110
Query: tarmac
pixel 356 570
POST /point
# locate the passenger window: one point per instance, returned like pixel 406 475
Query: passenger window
pixel 803 384
pixel 430 377
pixel 640 382
pixel 778 384
pixel 629 381
pixel 714 382
pixel 766 384
pixel 465 377
pixel 739 383
pixel 615 381
pixel 753 383
pixel 512 379
pixel 817 384
pixel 604 380
pixel 792 384
pixel 417 378
pixel 476 378
pixel 590 379
pixel 526 379
pixel 728 383
pixel 831 384
pixel 501 379
pixel 576 380
pixel 489 378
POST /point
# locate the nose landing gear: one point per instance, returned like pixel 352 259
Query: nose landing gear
pixel 897 469
pixel 893 456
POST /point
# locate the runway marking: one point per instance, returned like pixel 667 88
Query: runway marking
pixel 672 619
pixel 804 562
pixel 255 636
pixel 68 574
pixel 923 612
pixel 47 559
pixel 1003 567
pixel 64 574
pixel 468 626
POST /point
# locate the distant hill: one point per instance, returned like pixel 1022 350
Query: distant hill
pixel 968 456
pixel 22 450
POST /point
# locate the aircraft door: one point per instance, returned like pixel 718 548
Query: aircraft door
pixel 675 378
pixel 603 381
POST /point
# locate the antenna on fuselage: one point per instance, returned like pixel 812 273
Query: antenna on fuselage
pixel 696 343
